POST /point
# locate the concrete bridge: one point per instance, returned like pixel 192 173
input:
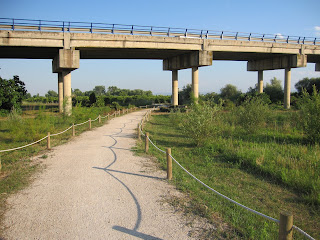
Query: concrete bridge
pixel 68 42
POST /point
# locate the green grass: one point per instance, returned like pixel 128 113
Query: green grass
pixel 18 130
pixel 249 168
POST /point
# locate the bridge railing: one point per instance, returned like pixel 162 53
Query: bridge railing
pixel 107 28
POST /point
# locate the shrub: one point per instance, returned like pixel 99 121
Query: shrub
pixel 252 114
pixel 200 123
pixel 310 114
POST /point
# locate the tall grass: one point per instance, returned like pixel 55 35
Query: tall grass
pixel 268 170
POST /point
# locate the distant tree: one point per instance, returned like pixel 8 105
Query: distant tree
pixel 51 93
pixel 28 95
pixel 230 92
pixel 307 84
pixel 92 98
pixel 99 90
pixel 12 92
pixel 77 92
pixel 274 90
pixel 185 94
pixel 113 90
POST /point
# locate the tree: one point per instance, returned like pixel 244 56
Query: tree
pixel 51 93
pixel 92 98
pixel 185 94
pixel 307 84
pixel 77 92
pixel 230 92
pixel 113 90
pixel 12 92
pixel 99 90
pixel 274 90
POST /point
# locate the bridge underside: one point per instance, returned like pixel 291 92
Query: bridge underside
pixel 128 53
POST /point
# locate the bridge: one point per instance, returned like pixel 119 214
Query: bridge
pixel 68 42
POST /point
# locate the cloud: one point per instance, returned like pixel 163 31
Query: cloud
pixel 279 35
pixel 317 28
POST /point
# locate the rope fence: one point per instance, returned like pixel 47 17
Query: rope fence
pixel 118 112
pixel 286 219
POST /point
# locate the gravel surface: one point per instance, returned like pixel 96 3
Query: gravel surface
pixel 94 187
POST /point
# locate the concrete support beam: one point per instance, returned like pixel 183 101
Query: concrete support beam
pixel 290 61
pixel 287 87
pixel 60 92
pixel 66 59
pixel 195 82
pixel 260 81
pixel 175 88
pixel 184 61
pixel 66 76
pixel 318 67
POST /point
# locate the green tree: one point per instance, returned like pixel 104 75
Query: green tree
pixel 185 94
pixel 274 90
pixel 77 92
pixel 230 92
pixel 307 84
pixel 92 98
pixel 12 92
pixel 51 93
pixel 99 90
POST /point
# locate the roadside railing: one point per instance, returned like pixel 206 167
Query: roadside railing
pixel 286 219
pixel 107 28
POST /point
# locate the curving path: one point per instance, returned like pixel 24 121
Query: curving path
pixel 95 188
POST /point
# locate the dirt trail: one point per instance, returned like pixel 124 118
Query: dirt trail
pixel 95 188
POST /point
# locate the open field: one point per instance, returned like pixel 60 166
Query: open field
pixel 271 170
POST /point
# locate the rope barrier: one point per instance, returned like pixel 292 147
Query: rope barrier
pixel 7 150
pixel 220 194
pixel 61 132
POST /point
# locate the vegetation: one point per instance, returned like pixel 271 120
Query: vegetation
pixel 269 169
pixel 307 85
pixel 12 92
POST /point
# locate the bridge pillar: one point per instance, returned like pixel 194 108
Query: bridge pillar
pixel 260 81
pixel 195 83
pixel 175 88
pixel 317 67
pixel 67 99
pixel 66 61
pixel 60 92
pixel 287 87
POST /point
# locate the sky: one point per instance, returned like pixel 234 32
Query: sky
pixel 286 17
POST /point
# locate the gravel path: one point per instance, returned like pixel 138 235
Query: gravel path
pixel 95 188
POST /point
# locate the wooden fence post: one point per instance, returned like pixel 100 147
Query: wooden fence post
pixel 169 164
pixel 48 141
pixel 99 119
pixel 0 165
pixel 147 142
pixel 139 134
pixel 285 226
pixel 73 130
pixel 89 123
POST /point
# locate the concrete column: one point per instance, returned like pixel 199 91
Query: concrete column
pixel 175 88
pixel 195 82
pixel 66 75
pixel 260 81
pixel 287 87
pixel 60 92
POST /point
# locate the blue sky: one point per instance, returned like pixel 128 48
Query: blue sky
pixel 287 17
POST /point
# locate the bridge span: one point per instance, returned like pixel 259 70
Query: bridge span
pixel 68 42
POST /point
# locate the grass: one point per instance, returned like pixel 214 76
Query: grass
pixel 238 165
pixel 20 129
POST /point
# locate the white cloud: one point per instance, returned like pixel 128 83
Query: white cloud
pixel 317 29
pixel 279 35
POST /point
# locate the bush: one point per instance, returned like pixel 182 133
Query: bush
pixel 200 123
pixel 310 114
pixel 252 114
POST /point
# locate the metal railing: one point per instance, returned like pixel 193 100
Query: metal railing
pixel 107 28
